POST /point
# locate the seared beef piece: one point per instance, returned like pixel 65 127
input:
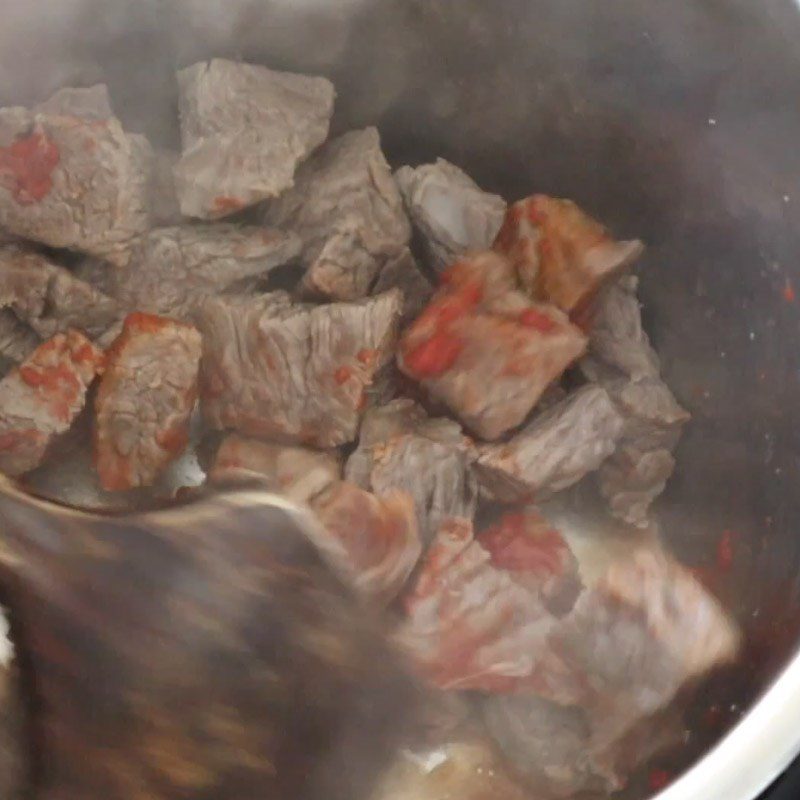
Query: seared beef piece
pixel 617 339
pixel 554 749
pixel 172 269
pixel 377 537
pixel 560 254
pixel 49 298
pixel 484 349
pixel 244 130
pixel 297 472
pixel 453 214
pixel 474 624
pixel 293 373
pixel 17 340
pixel 90 103
pixel 555 450
pixel 41 398
pixel 639 469
pixel 400 447
pixel 644 630
pixel 403 273
pixel 145 400
pixel 348 211
pixel 71 177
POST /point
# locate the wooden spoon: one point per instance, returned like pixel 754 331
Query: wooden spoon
pixel 199 651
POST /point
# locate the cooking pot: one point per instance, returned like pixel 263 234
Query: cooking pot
pixel 674 122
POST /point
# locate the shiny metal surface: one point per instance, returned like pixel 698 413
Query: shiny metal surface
pixel 676 122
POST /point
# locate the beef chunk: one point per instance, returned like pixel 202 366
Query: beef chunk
pixel 71 177
pixel 298 472
pixel 617 340
pixel 485 350
pixel 555 749
pixel 49 298
pixel 639 634
pixel 293 373
pixel 636 474
pixel 348 211
pixel 476 624
pixel 145 401
pixel 40 399
pixel 556 450
pixel 450 210
pixel 90 103
pixel 17 340
pixel 244 129
pixel 377 536
pixel 560 254
pixel 403 273
pixel 172 269
pixel 402 448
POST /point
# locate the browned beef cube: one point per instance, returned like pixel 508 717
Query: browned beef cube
pixel 453 214
pixel 478 616
pixel 17 340
pixel 348 211
pixel 145 401
pixel 560 254
pixel 71 177
pixel 297 472
pixel 293 373
pixel 403 273
pixel 377 537
pixel 40 399
pixel 639 469
pixel 400 447
pixel 244 129
pixel 485 350
pixel 638 634
pixel 617 339
pixel 49 298
pixel 172 269
pixel 555 749
pixel 555 450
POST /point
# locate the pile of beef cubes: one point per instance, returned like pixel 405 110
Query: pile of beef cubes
pixel 437 364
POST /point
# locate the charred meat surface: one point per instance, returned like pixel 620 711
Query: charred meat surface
pixel 453 214
pixel 40 399
pixel 71 177
pixel 244 130
pixel 560 254
pixel 172 270
pixel 376 538
pixel 49 298
pixel 289 372
pixel 557 449
pixel 346 208
pixel 299 473
pixel 401 448
pixel 485 350
pixel 145 400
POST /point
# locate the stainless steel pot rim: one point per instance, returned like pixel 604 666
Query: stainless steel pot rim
pixel 754 754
